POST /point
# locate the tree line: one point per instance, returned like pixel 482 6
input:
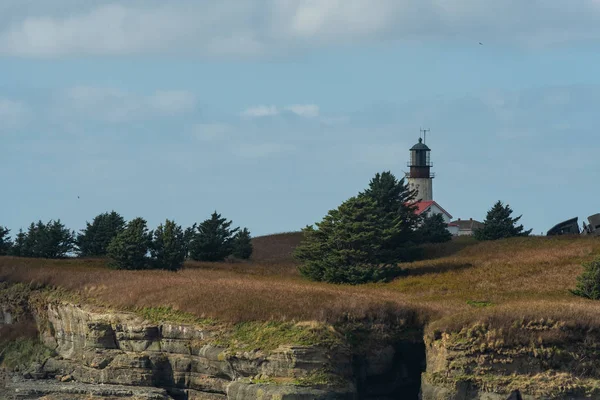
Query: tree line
pixel 363 240
pixel 131 245
pixel 369 235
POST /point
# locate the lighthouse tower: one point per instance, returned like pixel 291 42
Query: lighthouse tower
pixel 420 177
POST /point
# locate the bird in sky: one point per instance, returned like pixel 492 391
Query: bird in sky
pixel 481 43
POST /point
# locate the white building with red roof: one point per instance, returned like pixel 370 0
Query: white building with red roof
pixel 428 208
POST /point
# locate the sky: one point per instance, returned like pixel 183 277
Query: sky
pixel 273 112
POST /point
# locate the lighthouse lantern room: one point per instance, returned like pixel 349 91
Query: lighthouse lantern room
pixel 420 177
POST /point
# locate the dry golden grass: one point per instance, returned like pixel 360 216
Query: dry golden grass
pixel 525 277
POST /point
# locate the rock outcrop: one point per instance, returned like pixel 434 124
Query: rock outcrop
pixel 110 354
pixel 530 360
pixel 117 348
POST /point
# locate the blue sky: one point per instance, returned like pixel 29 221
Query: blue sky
pixel 272 112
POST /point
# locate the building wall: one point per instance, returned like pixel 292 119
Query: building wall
pixel 436 210
pixel 424 186
pixel 453 230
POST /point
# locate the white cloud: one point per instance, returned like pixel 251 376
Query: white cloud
pixel 129 28
pixel 117 105
pixel 260 111
pixel 304 110
pixel 224 28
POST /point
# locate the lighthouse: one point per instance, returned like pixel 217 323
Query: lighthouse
pixel 420 177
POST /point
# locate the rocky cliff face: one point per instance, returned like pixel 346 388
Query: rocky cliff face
pixel 123 349
pixel 118 354
pixel 109 355
pixel 542 359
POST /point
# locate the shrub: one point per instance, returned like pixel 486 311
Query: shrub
pixel 242 244
pixel 20 354
pixel 129 249
pixel 93 241
pixel 588 283
pixel 499 224
pixel 212 240
pixel 168 246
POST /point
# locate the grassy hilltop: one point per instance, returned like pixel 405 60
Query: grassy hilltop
pixel 459 282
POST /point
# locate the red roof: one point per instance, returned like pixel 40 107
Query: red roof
pixel 423 206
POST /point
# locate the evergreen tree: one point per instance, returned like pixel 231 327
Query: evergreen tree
pixel 434 230
pixel 129 249
pixel 50 240
pixel 93 241
pixel 188 237
pixel 350 244
pixel 396 200
pixel 168 247
pixel 242 244
pixel 213 239
pixel 5 242
pixel 18 247
pixel 499 224
pixel 31 242
pixel 392 195
pixel 59 242
pixel 588 283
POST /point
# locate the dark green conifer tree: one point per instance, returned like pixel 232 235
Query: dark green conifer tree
pixel 396 200
pixel 45 240
pixel 5 242
pixel 213 239
pixel 168 246
pixel 434 230
pixel 242 244
pixel 499 224
pixel 18 246
pixel 93 241
pixel 588 283
pixel 350 245
pixel 129 249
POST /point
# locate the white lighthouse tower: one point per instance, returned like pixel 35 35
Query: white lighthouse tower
pixel 420 177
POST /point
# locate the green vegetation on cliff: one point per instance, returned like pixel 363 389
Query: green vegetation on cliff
pixel 20 354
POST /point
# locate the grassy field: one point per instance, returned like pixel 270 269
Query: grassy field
pixel 460 281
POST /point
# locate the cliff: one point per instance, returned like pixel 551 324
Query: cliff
pixel 119 354
pixel 542 358
pixel 471 321
pixel 83 350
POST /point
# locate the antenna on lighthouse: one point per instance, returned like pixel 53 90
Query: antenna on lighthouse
pixel 424 132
